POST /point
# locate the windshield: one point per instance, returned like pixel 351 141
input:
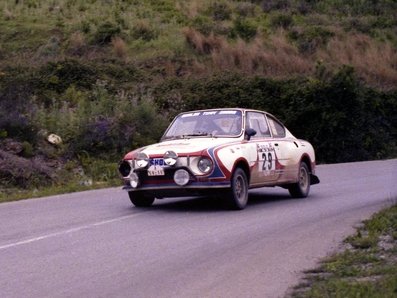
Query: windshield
pixel 215 123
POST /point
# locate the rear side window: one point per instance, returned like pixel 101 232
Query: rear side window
pixel 276 127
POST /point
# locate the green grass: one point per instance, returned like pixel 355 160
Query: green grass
pixel 16 194
pixel 366 268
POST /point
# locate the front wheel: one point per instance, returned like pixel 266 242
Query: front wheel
pixel 238 196
pixel 302 187
pixel 139 200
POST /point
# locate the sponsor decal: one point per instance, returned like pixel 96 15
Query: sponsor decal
pixel 157 162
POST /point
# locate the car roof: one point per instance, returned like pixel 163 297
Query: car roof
pixel 243 110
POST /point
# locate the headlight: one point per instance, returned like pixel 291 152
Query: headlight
pixel 170 158
pixel 142 160
pixel 205 165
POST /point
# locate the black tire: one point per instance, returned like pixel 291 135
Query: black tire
pixel 301 189
pixel 238 195
pixel 139 200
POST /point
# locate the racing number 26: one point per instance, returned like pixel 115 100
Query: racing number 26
pixel 269 162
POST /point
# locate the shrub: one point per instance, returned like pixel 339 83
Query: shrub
pixel 58 76
pixel 220 10
pixel 246 9
pixel 282 20
pixel 15 108
pixel 143 30
pixel 24 173
pixel 105 32
pixel 203 24
pixel 343 120
pixel 269 5
pixel 310 39
pixel 244 29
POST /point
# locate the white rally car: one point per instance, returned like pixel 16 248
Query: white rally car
pixel 219 151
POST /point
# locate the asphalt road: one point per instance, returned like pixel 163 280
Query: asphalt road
pixel 95 244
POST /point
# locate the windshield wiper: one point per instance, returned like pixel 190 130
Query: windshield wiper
pixel 188 135
pixel 198 134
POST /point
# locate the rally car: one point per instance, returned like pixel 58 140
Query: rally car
pixel 219 151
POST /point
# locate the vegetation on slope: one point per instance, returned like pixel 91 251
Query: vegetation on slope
pixel 367 267
pixel 108 75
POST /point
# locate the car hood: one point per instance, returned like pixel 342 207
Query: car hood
pixel 183 146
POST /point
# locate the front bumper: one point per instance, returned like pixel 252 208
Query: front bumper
pixel 166 186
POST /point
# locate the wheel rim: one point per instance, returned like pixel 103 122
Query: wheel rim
pixel 303 178
pixel 240 189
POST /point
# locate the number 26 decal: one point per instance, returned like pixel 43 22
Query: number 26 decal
pixel 269 161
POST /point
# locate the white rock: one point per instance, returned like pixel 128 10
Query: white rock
pixel 54 139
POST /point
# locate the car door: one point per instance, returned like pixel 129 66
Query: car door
pixel 264 170
pixel 284 149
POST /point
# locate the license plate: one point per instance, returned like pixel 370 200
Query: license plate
pixel 155 171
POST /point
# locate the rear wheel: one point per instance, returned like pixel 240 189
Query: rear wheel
pixel 139 200
pixel 238 196
pixel 302 187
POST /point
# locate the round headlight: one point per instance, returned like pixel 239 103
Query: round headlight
pixel 205 165
pixel 181 177
pixel 142 160
pixel 124 168
pixel 170 158
pixel 134 180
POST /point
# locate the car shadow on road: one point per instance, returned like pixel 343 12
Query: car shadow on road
pixel 216 203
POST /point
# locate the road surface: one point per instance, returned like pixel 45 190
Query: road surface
pixel 95 244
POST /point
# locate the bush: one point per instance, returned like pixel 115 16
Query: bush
pixel 310 39
pixel 15 107
pixel 105 32
pixel 58 76
pixel 269 5
pixel 342 119
pixel 203 24
pixel 246 9
pixel 24 173
pixel 220 11
pixel 143 30
pixel 244 29
pixel 282 20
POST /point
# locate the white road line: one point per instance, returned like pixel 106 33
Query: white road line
pixel 61 233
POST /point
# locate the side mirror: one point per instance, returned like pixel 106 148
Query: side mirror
pixel 249 132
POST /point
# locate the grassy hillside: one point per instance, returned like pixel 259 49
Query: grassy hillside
pixel 278 38
pixel 97 72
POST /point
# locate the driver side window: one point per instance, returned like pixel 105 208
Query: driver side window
pixel 258 122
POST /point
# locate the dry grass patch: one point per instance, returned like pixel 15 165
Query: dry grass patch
pixel 203 44
pixel 119 47
pixel 275 57
pixel 77 43
pixel 374 61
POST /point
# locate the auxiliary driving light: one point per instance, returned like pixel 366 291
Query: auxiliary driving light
pixel 142 160
pixel 170 158
pixel 124 168
pixel 181 177
pixel 134 180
